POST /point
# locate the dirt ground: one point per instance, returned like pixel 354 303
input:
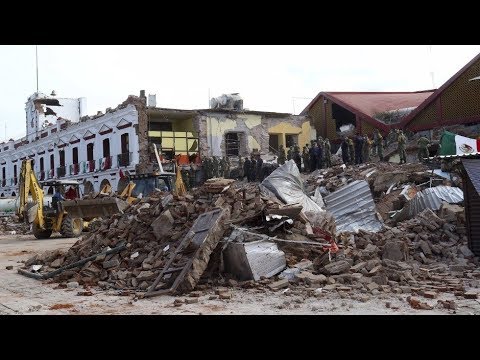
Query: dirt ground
pixel 22 295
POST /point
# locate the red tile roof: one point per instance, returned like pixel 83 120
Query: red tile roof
pixel 371 103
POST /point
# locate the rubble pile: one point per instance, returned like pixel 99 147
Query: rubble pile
pixel 151 230
pixel 12 226
pixel 425 253
pixel 242 231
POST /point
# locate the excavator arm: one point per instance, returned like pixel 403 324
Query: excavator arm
pixel 29 185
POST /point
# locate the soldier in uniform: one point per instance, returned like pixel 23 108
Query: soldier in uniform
pixel 207 166
pixel 306 159
pixel 296 157
pixel 379 144
pixel 247 166
pixel 226 172
pixel 328 154
pixel 351 151
pixel 367 148
pixel 358 149
pixel 322 151
pixel 253 169
pixel 290 153
pixel 345 153
pixel 191 176
pixel 313 161
pixel 281 155
pixel 241 169
pixel 423 152
pixel 402 141
pixel 259 168
pixel 215 167
pixel 185 178
pixel 221 167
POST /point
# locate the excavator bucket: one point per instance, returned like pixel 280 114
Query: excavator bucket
pixel 91 208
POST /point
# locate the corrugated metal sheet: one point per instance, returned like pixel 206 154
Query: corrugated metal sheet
pixel 473 155
pixel 353 208
pixel 472 213
pixel 430 198
pixel 472 166
pixel 471 185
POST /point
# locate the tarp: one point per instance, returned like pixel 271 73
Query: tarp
pixel 353 208
pixel 287 185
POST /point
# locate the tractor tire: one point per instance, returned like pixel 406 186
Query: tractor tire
pixel 39 233
pixel 71 227
pixel 94 225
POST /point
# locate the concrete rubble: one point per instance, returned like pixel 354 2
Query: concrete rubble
pixel 259 241
pixel 11 226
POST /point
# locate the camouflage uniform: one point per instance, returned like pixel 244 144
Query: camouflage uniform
pixel 241 172
pixel 221 168
pixel 185 178
pixel 290 153
pixel 351 151
pixel 367 147
pixel 226 172
pixel 306 159
pixel 281 155
pixel 215 166
pixel 379 144
pixel 402 140
pixel 327 153
pixel 423 152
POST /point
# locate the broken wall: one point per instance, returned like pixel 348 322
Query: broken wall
pixel 213 128
pixel 142 132
pixel 294 124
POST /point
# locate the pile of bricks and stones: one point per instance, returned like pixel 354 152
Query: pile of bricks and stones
pixel 151 230
pixel 11 226
pixel 422 256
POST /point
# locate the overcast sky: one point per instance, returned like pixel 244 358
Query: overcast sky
pixel 267 77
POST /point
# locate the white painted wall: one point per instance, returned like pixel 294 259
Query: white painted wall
pixel 111 119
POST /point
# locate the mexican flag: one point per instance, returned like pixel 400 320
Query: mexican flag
pixel 453 144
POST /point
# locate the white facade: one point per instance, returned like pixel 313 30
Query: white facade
pixel 67 131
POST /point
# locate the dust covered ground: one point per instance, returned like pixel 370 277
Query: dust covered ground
pixel 23 295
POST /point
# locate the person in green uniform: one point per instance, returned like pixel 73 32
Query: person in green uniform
pixel 281 155
pixel 379 144
pixel 402 141
pixel 351 151
pixel 423 144
pixel 215 167
pixel 306 159
pixel 328 154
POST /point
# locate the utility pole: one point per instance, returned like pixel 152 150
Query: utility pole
pixel 431 65
pixel 36 60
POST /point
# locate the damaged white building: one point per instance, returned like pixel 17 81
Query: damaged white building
pixel 98 150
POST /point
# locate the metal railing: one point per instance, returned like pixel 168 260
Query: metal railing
pixel 105 163
pixel 124 159
pixel 74 169
pixel 61 171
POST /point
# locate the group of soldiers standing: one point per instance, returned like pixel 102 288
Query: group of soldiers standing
pixel 355 150
pixel 314 156
pixel 214 168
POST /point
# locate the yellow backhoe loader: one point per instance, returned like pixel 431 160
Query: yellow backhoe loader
pixel 65 212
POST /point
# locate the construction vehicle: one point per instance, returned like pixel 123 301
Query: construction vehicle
pixel 66 216
pixel 141 185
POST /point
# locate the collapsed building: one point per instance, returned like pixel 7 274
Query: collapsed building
pixel 99 150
